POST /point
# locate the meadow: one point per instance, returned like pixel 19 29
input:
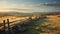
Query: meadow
pixel 46 24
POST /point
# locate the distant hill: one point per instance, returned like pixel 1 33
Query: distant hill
pixel 14 14
pixel 9 13
pixel 21 14
pixel 53 13
pixel 46 12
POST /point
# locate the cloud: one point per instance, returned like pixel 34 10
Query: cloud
pixel 53 5
pixel 16 7
pixel 28 7
pixel 2 0
pixel 46 3
pixel 21 6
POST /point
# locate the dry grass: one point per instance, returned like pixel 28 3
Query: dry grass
pixel 55 20
pixel 54 25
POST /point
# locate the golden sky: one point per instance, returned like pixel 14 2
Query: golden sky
pixel 29 5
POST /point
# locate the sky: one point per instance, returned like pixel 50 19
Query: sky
pixel 29 6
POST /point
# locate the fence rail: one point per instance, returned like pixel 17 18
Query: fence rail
pixel 7 25
pixel 12 23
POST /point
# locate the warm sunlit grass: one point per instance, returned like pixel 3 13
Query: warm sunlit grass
pixel 11 18
pixel 52 25
pixel 55 20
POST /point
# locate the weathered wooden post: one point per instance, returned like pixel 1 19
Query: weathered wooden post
pixel 4 31
pixel 35 17
pixel 30 18
pixel 4 25
pixel 8 26
pixel 10 31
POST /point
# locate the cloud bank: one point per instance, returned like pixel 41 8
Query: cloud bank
pixel 7 6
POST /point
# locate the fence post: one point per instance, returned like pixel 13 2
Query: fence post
pixel 4 24
pixel 30 18
pixel 8 26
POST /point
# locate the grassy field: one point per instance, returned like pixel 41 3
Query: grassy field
pixel 11 19
pixel 49 25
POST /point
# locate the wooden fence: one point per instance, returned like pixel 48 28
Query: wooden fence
pixel 9 26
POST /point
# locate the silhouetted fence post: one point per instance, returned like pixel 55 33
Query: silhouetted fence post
pixel 8 26
pixel 30 18
pixel 36 18
pixel 4 31
pixel 4 25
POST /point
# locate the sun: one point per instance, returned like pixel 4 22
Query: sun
pixel 5 10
